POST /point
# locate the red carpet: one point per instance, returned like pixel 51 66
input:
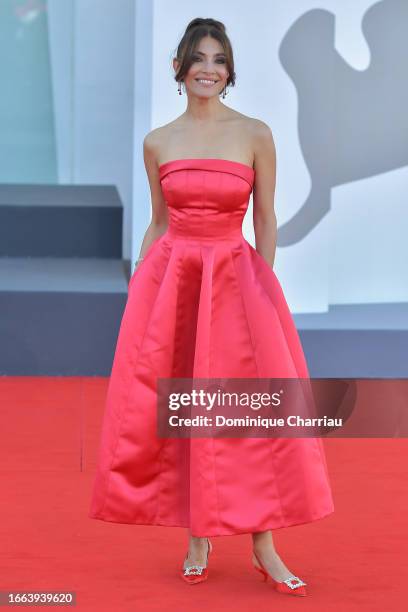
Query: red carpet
pixel 355 559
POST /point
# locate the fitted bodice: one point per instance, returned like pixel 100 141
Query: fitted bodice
pixel 207 198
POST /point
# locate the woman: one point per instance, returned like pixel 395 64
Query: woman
pixel 204 303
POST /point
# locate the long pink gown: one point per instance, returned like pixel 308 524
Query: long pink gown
pixel 204 303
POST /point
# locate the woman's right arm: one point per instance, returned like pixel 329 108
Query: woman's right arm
pixel 159 222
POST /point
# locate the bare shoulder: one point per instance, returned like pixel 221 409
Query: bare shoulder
pixel 153 138
pixel 239 120
pixel 256 126
pixel 152 143
pixel 261 133
pixel 263 145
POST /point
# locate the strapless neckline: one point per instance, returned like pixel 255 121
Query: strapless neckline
pixel 208 163
pixel 211 159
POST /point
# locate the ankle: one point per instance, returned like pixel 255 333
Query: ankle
pixel 264 547
pixel 198 543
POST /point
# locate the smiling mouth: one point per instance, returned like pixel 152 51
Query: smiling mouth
pixel 206 81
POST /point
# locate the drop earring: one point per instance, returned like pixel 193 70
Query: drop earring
pixel 224 91
pixel 179 87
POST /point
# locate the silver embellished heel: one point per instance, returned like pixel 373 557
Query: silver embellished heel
pixel 291 586
pixel 192 574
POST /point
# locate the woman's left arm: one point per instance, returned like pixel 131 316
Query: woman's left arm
pixel 264 218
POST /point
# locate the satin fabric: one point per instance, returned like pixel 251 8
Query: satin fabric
pixel 204 303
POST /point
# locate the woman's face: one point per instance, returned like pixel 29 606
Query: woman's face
pixel 208 73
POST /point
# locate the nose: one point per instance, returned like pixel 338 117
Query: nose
pixel 208 66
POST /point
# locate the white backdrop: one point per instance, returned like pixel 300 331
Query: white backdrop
pixel 355 253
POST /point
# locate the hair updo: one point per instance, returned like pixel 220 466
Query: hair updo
pixel 197 29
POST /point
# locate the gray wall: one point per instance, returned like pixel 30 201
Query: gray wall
pixel 92 58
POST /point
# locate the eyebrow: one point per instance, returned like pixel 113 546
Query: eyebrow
pixel 201 53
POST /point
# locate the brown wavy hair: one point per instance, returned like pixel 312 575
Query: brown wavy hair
pixel 197 29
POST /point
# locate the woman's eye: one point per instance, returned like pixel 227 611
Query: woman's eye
pixel 219 60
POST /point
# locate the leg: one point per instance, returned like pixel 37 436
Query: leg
pixel 197 550
pixel 265 549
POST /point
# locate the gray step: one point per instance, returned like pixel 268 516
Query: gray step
pixel 60 221
pixel 60 317
pixel 356 341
